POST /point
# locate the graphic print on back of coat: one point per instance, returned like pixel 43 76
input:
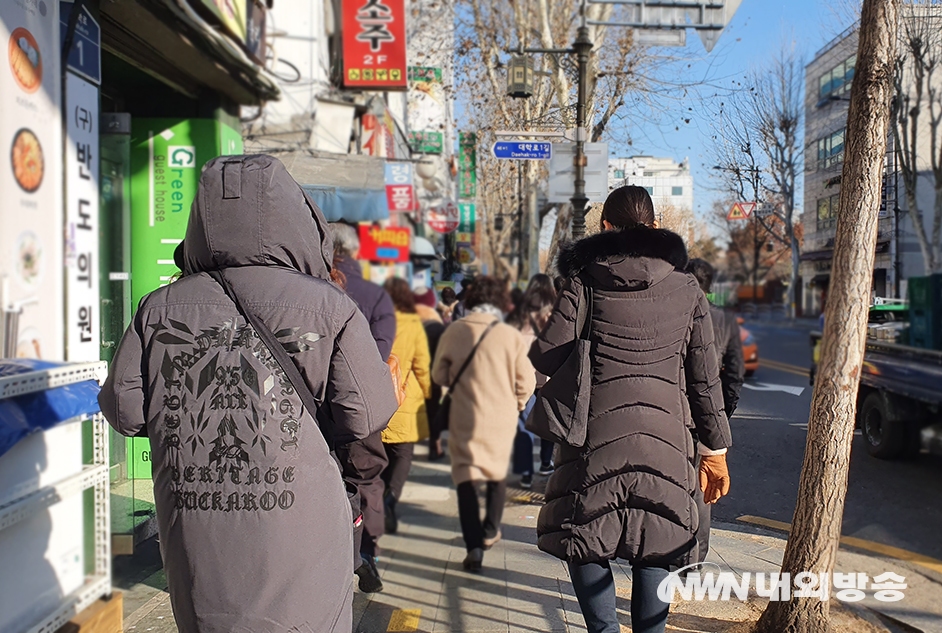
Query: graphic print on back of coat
pixel 230 417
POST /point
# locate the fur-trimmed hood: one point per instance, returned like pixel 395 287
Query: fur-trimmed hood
pixel 637 257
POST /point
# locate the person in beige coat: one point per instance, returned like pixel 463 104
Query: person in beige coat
pixel 486 401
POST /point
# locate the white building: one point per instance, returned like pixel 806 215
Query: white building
pixel 669 182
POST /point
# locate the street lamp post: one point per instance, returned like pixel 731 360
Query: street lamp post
pixel 582 47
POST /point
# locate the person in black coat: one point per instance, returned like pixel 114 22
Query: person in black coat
pixel 628 492
pixel 364 461
pixel 732 374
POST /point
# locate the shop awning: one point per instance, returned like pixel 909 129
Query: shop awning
pixel 349 187
pixel 352 205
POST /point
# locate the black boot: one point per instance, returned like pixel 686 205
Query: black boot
pixel 369 582
pixel 392 521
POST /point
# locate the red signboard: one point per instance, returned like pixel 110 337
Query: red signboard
pixel 374 44
pixel 444 218
pixel 384 245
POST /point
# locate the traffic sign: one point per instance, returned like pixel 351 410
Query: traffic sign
pixel 444 218
pixel 765 209
pixel 562 186
pixel 523 150
pixel 748 208
pixel 736 212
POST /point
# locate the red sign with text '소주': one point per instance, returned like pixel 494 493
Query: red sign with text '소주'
pixel 374 44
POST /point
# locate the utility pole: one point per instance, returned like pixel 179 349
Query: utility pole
pixel 755 237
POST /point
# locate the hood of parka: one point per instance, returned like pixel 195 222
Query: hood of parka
pixel 627 259
pixel 249 211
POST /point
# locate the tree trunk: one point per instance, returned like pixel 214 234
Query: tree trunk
pixel 816 527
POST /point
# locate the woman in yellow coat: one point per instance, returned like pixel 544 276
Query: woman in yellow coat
pixel 410 423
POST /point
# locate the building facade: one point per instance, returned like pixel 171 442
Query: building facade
pixel 828 79
pixel 669 182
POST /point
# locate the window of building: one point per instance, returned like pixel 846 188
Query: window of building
pixel 650 190
pixel 648 174
pixel 827 211
pixel 677 191
pixel 837 80
pixel 831 150
pixel 619 173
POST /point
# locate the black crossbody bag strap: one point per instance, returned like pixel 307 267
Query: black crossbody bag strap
pixel 278 352
pixel 471 355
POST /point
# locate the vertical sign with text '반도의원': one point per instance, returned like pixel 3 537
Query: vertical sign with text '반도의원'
pixel 374 44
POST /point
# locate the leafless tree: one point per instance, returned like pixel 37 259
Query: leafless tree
pixel 917 121
pixel 816 527
pixel 759 149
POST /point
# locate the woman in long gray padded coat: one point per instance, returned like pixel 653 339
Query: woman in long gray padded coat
pixel 628 493
pixel 255 526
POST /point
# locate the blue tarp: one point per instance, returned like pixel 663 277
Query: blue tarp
pixel 23 415
pixel 349 204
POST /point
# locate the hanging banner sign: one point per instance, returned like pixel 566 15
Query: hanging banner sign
pixel 374 44
pixel 31 222
pixel 467 164
pixel 83 320
pixel 444 218
pixel 466 219
pixel 400 190
pixel 384 245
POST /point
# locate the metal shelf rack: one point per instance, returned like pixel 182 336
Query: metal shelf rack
pixel 33 499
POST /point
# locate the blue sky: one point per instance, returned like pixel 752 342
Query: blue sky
pixel 756 34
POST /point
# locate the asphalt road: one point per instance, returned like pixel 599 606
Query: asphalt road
pixel 895 503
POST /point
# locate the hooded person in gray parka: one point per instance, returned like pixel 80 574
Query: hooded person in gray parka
pixel 255 526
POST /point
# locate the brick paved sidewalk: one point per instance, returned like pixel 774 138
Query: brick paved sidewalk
pixel 521 589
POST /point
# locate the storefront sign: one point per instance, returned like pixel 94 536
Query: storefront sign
pixel 467 164
pixel 426 142
pixel 400 191
pixel 85 54
pixel 374 44
pixel 384 245
pixel 83 318
pixel 31 222
pixel 466 212
pixel 444 218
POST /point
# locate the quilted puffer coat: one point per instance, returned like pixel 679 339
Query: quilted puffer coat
pixel 628 492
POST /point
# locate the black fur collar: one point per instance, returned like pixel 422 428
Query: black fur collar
pixel 640 242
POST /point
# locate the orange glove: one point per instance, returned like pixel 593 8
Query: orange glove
pixel 714 477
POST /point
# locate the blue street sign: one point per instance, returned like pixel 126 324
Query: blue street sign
pixel 85 55
pixel 523 150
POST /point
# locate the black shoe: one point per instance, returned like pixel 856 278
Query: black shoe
pixel 474 560
pixel 392 521
pixel 369 580
pixel 547 469
pixel 526 482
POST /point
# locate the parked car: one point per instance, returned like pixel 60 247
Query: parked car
pixel 750 349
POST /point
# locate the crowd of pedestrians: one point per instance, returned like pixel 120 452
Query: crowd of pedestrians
pixel 284 395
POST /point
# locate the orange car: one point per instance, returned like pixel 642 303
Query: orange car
pixel 750 349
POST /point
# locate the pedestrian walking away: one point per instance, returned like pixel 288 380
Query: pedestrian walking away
pixel 410 423
pixel 255 524
pixel 732 376
pixel 628 492
pixel 530 317
pixel 425 307
pixel 484 363
pixel 363 461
